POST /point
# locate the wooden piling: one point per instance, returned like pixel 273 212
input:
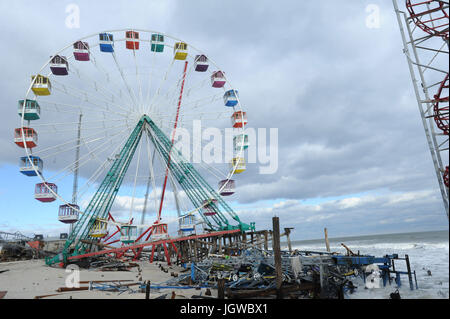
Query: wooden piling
pixel 277 255
pixel 327 244
pixel 147 290
pixel 221 289
pixel 287 231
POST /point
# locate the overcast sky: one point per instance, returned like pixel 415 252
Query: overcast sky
pixel 352 152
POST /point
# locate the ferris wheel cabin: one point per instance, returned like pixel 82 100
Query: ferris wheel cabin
pixel 239 163
pixel 180 50
pixel 26 165
pixel 68 214
pixel 240 142
pixel 99 229
pixel 43 192
pixel 209 209
pixel 228 185
pixel 59 65
pixel 128 234
pixel 187 223
pixel 201 63
pixel 132 40
pixel 230 98
pixel 81 51
pixel 32 110
pixel 41 85
pixel 29 134
pixel 239 119
pixel 160 232
pixel 157 42
pixel 106 42
pixel 218 79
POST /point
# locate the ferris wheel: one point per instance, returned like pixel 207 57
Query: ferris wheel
pixel 109 110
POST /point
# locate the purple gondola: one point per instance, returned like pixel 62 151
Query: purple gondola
pixel 201 63
pixel 59 65
pixel 229 187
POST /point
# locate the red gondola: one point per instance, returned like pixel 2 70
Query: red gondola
pixel 239 119
pixel 30 134
pixel 132 40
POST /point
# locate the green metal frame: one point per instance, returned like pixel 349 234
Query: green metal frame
pixel 194 185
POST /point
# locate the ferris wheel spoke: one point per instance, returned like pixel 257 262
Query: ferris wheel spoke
pixel 84 96
pixel 130 92
pixel 79 107
pixel 173 91
pixel 101 168
pixel 83 140
pixel 97 87
pixel 141 109
pixel 166 75
pixel 75 139
pixel 69 169
pixel 147 98
pixel 150 163
pixel 86 158
pixel 135 181
pixel 110 79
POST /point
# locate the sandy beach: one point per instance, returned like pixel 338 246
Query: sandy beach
pixel 31 278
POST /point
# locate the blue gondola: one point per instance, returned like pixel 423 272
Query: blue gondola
pixel 26 167
pixel 230 98
pixel 106 42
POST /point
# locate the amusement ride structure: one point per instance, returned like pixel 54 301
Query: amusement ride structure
pixel 119 100
pixel 424 28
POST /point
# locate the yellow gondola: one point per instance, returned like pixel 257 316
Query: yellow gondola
pixel 239 163
pixel 180 51
pixel 42 85
pixel 99 229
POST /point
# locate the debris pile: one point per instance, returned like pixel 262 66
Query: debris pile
pixel 305 274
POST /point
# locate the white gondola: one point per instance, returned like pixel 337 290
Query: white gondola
pixel 68 214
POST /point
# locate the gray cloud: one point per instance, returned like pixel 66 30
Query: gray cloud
pixel 338 92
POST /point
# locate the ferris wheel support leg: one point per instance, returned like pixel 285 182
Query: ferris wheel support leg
pixel 166 253
pixel 153 254
pixel 139 238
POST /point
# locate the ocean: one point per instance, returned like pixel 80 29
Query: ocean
pixel 428 251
